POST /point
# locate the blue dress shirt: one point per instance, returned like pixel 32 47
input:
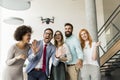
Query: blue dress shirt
pixel 75 49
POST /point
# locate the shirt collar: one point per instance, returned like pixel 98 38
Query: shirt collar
pixel 69 37
pixel 45 43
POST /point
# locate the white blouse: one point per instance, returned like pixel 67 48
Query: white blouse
pixel 87 53
pixel 66 52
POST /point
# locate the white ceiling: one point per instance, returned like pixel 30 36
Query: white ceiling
pixel 15 4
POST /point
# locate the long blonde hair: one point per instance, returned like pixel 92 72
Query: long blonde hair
pixel 82 41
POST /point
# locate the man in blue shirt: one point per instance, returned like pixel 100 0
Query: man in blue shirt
pixel 76 52
pixel 39 57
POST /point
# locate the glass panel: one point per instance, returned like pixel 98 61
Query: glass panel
pixel 108 38
pixel 116 21
pixel 111 33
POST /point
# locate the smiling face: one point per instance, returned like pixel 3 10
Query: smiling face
pixel 84 35
pixel 58 36
pixel 48 35
pixel 26 38
pixel 68 30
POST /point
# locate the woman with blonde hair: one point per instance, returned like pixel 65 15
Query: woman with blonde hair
pixel 90 69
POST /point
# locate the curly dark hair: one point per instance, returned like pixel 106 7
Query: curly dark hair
pixel 21 31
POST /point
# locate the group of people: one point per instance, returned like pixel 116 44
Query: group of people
pixel 72 58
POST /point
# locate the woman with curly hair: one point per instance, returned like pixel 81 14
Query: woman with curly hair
pixel 17 54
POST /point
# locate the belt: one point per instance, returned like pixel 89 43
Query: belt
pixel 37 69
pixel 71 65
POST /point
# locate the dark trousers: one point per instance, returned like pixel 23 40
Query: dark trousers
pixel 37 75
pixel 58 72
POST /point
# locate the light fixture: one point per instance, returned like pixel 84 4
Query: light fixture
pixel 13 21
pixel 15 4
pixel 47 20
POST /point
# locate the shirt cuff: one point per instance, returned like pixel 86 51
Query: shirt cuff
pixel 33 55
pixel 56 59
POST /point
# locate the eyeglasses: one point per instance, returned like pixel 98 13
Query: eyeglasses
pixel 57 34
pixel 48 33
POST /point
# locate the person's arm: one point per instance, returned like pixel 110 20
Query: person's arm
pixel 78 50
pixel 55 59
pixel 79 53
pixel 31 56
pixel 94 48
pixel 33 52
pixel 10 58
pixel 67 52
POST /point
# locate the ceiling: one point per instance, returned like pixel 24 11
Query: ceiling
pixel 46 8
pixel 15 4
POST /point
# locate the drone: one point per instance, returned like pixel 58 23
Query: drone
pixel 47 20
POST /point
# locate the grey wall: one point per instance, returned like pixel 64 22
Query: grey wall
pixel 114 75
pixel 109 6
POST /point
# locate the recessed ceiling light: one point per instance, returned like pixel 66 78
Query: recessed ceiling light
pixel 15 4
pixel 14 21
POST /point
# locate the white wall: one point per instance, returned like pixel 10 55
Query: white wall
pixel 6 41
pixel 100 13
pixel 0 46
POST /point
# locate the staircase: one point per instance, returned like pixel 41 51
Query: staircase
pixel 109 35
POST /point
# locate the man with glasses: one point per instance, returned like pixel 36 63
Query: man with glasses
pixel 39 56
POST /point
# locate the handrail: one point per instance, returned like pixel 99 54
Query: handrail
pixel 115 27
pixel 108 24
pixel 110 53
pixel 109 42
pixel 109 18
pixel 113 38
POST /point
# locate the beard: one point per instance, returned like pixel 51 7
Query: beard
pixel 68 34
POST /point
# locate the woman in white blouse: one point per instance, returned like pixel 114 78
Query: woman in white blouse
pixel 63 54
pixel 90 69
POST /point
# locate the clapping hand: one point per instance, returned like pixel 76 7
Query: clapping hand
pixel 34 47
pixel 21 56
pixel 61 54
